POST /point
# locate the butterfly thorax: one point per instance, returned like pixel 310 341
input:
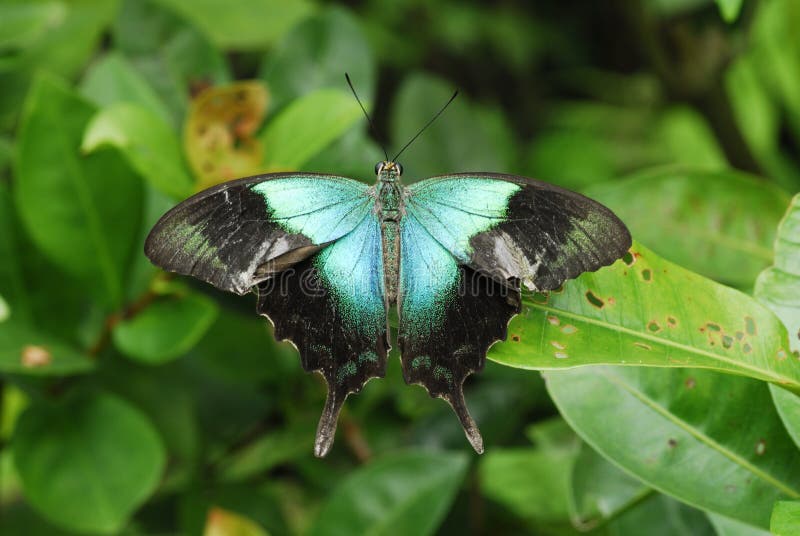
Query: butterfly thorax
pixel 390 209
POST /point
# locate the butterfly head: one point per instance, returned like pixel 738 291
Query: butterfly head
pixel 388 170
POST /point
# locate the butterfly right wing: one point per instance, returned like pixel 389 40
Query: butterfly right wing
pixel 241 232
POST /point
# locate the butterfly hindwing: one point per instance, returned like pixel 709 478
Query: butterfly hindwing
pixel 237 234
pixel 518 230
pixel 449 317
pixel 331 306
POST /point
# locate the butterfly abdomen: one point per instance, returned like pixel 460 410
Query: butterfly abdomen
pixel 390 209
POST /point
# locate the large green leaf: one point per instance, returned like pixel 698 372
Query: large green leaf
pixel 87 463
pixel 316 53
pixel 166 329
pixel 600 491
pixel 644 310
pixel 147 141
pixel 655 423
pixel 306 127
pixel 720 224
pixel 785 519
pixel 778 287
pixel 242 24
pixel 405 493
pixel 83 212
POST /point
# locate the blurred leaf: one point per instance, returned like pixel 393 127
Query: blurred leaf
pixel 468 137
pixel 175 57
pixel 21 25
pixel 316 54
pixel 572 159
pixel 274 448
pixel 685 137
pixel 83 212
pixel 662 516
pixel 785 519
pixel 166 328
pixel 219 134
pixel 113 80
pixel 13 402
pixel 60 45
pixel 730 9
pixel 5 312
pixel 531 482
pixel 148 143
pixel 25 350
pixel 736 460
pixel 12 284
pixel 306 127
pixel 726 526
pixel 405 493
pixel 778 287
pixel 720 224
pixel 86 464
pixel 648 311
pixel 242 24
pixel 224 523
pixel 353 155
pixel 600 491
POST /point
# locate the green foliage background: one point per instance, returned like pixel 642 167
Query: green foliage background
pixel 136 403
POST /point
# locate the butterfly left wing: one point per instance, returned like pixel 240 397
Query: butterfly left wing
pixel 331 306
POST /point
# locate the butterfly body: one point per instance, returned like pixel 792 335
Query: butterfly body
pixel 329 257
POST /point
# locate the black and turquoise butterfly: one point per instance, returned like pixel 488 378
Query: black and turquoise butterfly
pixel 329 256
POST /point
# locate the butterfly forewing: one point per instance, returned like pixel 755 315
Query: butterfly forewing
pixel 237 234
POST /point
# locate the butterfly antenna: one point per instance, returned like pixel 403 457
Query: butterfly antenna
pixel 369 119
pixel 429 123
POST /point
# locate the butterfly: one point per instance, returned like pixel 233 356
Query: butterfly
pixel 329 257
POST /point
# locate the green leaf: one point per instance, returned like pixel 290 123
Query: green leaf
pixel 114 80
pixel 22 24
pixel 720 224
pixel 655 423
pixel 726 526
pixel 242 24
pixel 149 144
pixel 785 520
pixel 778 287
pixel 600 491
pixel 316 54
pixel 662 516
pixel 87 463
pixel 729 9
pixel 165 329
pixel 466 137
pixel 531 482
pixel 29 351
pixel 405 493
pixel 306 127
pixel 5 311
pixel 648 311
pixel 83 212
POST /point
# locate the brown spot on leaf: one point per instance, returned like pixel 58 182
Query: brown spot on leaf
pixel 672 321
pixel 746 348
pixel 713 327
pixel 750 325
pixel 690 383
pixel 781 355
pixel 727 341
pixel 569 329
pixel 739 335
pixel 647 275
pixel 35 356
pixel 629 259
pixel 553 320
pixel 515 337
pixel 672 443
pixel 643 346
pixel 653 326
pixel 594 300
pixel 761 447
pixel 558 345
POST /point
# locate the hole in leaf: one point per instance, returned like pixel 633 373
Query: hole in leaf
pixel 629 259
pixel 515 337
pixel 653 326
pixel 672 321
pixel 594 300
pixel 727 341
pixel 647 275
pixel 561 355
pixel 553 320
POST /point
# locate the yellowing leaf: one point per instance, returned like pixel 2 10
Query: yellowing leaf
pixel 224 523
pixel 219 133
